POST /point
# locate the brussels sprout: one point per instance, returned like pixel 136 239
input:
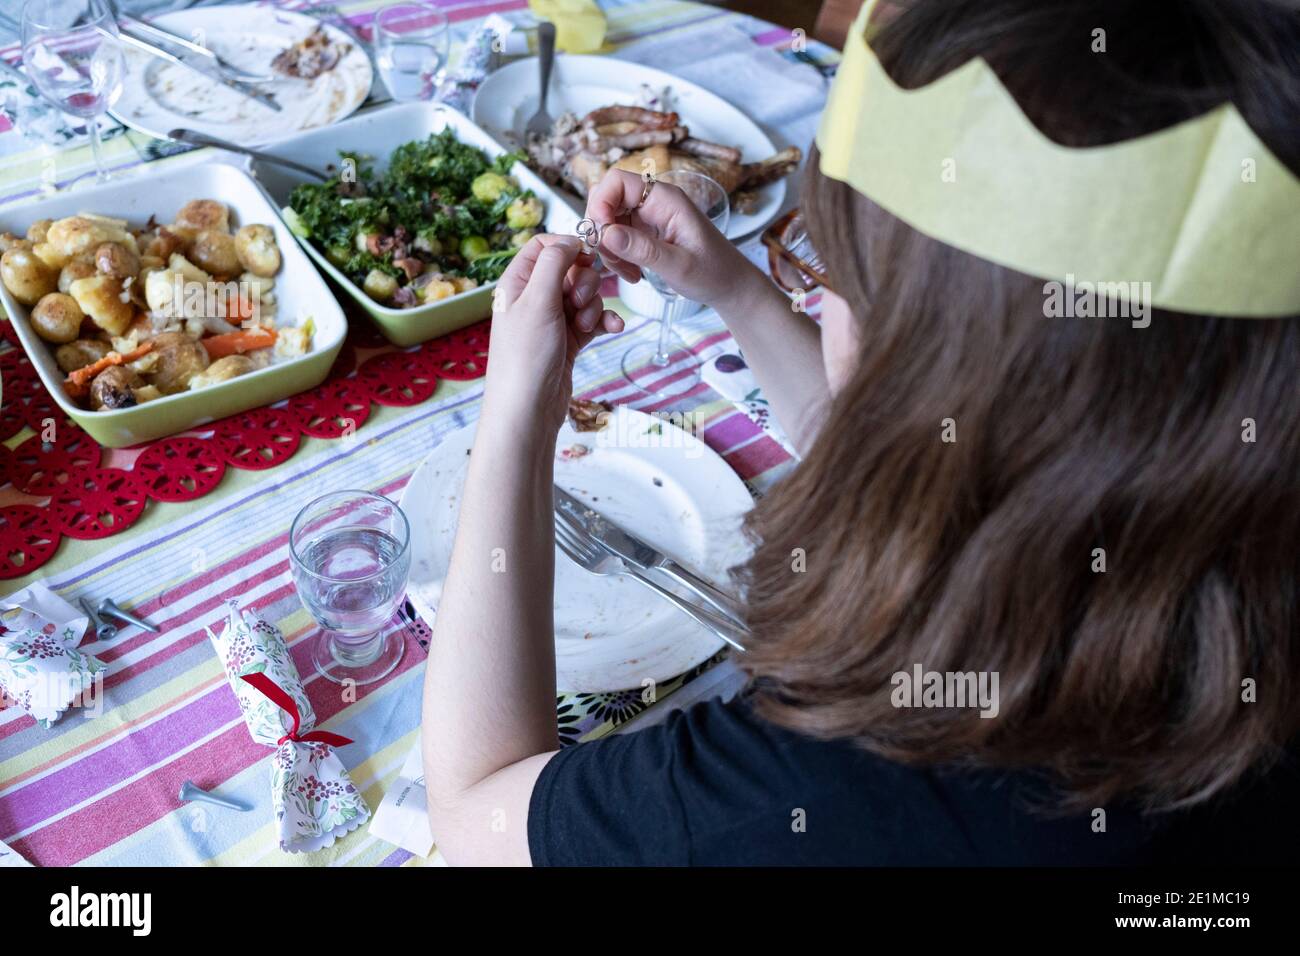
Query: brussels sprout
pixel 428 243
pixel 488 187
pixel 380 285
pixel 524 213
pixel 338 255
pixel 471 247
pixel 520 239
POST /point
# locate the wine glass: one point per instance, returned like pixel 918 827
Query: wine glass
pixel 72 53
pixel 350 556
pixel 411 43
pixel 646 365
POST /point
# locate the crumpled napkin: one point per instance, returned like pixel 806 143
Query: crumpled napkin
pixel 314 799
pixel 579 24
pixel 40 667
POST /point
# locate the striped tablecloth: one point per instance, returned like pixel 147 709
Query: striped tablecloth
pixel 102 789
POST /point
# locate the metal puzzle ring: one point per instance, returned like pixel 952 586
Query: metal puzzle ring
pixel 588 230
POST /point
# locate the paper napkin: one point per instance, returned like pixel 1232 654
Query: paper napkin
pixel 40 667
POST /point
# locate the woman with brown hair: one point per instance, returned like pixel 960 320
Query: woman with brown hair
pixel 1092 520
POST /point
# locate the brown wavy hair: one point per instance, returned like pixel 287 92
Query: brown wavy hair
pixel 1072 434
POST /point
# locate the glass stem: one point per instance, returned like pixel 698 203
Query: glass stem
pixel 97 148
pixel 665 329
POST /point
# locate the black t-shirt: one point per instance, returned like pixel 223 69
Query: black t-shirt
pixel 717 785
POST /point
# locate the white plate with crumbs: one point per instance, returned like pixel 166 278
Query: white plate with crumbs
pixel 158 96
pixel 641 471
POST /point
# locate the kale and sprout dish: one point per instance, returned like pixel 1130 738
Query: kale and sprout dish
pixel 442 219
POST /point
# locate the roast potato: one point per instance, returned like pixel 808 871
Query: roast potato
pixel 200 214
pixel 115 259
pixel 162 244
pixel 258 253
pixel 79 268
pixel 214 252
pixel 77 235
pixel 80 353
pixel 9 241
pixel 100 297
pixel 112 388
pixel 26 277
pixel 222 370
pixel 178 359
pixel 57 318
pixel 37 231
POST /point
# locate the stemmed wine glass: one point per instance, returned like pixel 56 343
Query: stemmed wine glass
pixel 411 46
pixel 645 365
pixel 350 555
pixel 72 53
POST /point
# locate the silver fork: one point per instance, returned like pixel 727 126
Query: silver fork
pixel 540 124
pixel 591 557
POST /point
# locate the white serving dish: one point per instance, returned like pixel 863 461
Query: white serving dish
pixel 376 133
pixel 300 293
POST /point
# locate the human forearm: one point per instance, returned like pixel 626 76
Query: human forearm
pixel 783 348
pixel 490 682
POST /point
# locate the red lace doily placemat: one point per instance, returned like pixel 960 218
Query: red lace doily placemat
pixel 71 495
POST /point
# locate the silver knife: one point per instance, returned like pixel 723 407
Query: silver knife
pixel 246 89
pixel 641 555
pixel 165 36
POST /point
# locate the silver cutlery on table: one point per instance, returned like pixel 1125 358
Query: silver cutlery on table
pixel 540 124
pixel 227 69
pixel 103 630
pixel 191 791
pixel 643 556
pixel 211 72
pixel 108 608
pixel 195 138
pixel 592 557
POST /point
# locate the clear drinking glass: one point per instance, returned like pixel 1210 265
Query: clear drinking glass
pixel 411 42
pixel 350 555
pixel 72 53
pixel 646 365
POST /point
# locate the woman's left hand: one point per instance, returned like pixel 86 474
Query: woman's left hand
pixel 545 309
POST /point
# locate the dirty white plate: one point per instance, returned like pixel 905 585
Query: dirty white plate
pixel 158 96
pixel 579 84
pixel 656 480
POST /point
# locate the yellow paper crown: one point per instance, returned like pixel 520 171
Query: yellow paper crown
pixel 1202 210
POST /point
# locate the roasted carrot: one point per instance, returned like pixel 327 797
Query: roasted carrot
pixel 232 343
pixel 77 384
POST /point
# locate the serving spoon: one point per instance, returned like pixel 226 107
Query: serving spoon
pixel 195 138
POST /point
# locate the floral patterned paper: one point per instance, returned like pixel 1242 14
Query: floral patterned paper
pixel 314 800
pixel 40 667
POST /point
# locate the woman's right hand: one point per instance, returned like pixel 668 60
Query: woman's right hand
pixel 668 235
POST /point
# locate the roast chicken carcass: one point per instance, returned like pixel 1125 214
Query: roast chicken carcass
pixel 579 151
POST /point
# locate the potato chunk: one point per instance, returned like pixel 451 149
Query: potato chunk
pixel 74 270
pixel 115 259
pixel 113 388
pixel 198 215
pixel 179 359
pixel 76 235
pixel 26 277
pixel 222 370
pixel 80 353
pixel 100 297
pixel 257 250
pixel 215 252
pixel 57 318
